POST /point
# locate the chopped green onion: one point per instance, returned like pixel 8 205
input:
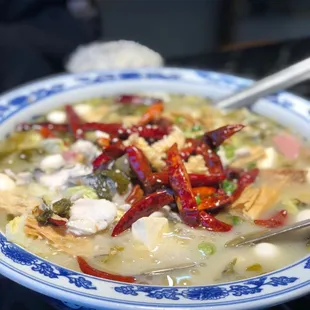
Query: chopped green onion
pixel 229 187
pixel 255 267
pixel 236 220
pixel 251 165
pixel 229 150
pixel 206 248
pixel 179 119
pixel 196 128
pixel 198 200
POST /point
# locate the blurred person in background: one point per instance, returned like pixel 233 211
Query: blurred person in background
pixel 36 36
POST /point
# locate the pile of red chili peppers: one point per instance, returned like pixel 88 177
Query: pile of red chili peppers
pixel 153 190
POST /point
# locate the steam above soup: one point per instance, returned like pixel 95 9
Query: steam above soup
pixel 122 187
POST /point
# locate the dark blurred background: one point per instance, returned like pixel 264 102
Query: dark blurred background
pixel 38 35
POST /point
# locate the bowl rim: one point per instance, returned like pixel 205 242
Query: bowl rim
pixel 48 288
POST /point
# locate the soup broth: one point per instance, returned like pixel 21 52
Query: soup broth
pixel 135 184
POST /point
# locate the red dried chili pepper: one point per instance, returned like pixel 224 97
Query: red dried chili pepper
pixel 135 100
pixel 275 221
pixel 74 122
pixel 214 202
pixel 57 222
pixel 213 224
pixel 204 191
pixel 135 194
pixel 212 160
pixel 152 113
pixel 246 178
pixel 163 122
pixel 162 179
pixel 46 133
pixel 216 137
pixel 139 164
pixel 112 128
pixel 142 208
pixel 115 150
pixel 180 183
pixel 103 142
pixel 100 160
pixel 205 180
pixel 189 149
pixel 87 269
pixel 233 173
pixel 154 132
pixel 38 126
pixel 148 132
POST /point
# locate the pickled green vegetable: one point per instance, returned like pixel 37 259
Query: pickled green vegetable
pixel 123 165
pixel 100 184
pixel 30 155
pixel 44 216
pixel 206 248
pixel 255 267
pixel 119 178
pixel 230 267
pixel 62 207
pixel 20 141
pixel 130 109
pixel 293 206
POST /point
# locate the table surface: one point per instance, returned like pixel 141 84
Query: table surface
pixel 253 63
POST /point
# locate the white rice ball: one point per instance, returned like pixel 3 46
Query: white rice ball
pixel 120 54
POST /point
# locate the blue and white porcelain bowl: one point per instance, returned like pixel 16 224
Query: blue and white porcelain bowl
pixel 79 291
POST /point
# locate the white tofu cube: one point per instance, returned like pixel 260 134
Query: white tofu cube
pixel 266 250
pixel 270 160
pixel 52 162
pixel 149 230
pixel 56 117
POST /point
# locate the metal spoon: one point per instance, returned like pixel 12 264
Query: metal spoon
pixel 265 234
pixel 271 84
pixel 166 270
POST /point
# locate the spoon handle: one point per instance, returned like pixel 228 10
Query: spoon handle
pixel 262 235
pixel 290 76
